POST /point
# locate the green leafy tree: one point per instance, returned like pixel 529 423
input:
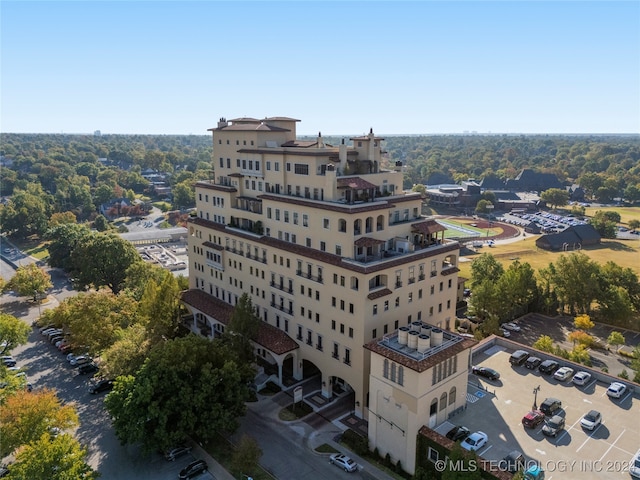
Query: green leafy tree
pixel 591 182
pixel 102 194
pixel 483 206
pixel 615 339
pixel 485 268
pixel 555 197
pixel 246 457
pixel 243 327
pixel 159 307
pixel 634 224
pixel 13 332
pixel 62 218
pixel 632 194
pixel 25 416
pixel 187 386
pixel 485 301
pixel 101 224
pixel 63 239
pixel 30 281
pixel 102 260
pixel 517 289
pixel 419 187
pixel 580 354
pixel 54 458
pixel 614 275
pixel 27 212
pixel 576 282
pixel 603 223
pixel 544 343
pixel 95 320
pixel 184 195
pixel 616 305
pixel 139 274
pixel 128 353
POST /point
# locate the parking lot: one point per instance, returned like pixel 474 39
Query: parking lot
pixel 497 408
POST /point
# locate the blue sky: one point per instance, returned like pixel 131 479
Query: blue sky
pixel 340 67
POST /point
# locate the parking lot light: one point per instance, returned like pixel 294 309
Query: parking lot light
pixel 535 397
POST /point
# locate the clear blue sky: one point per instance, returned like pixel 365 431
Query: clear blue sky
pixel 341 68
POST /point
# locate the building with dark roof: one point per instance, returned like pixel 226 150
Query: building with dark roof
pixel 572 238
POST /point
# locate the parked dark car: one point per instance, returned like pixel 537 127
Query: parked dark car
pixel 176 452
pixel 550 406
pixel 101 386
pixel 518 357
pixel 548 367
pixel 553 426
pixel 8 361
pixel 486 372
pixel 533 419
pixel 532 363
pixel 193 469
pixel 513 462
pixel 458 433
pixel 87 368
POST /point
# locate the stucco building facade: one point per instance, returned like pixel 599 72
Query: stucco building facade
pixel 332 251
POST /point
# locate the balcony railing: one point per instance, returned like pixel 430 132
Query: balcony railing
pixel 282 308
pixel 307 275
pixel 282 287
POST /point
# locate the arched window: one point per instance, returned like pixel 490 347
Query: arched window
pixel 452 396
pixel 443 401
pixel 380 222
pixel 342 225
pixel 369 225
pixel 433 409
pixel 357 227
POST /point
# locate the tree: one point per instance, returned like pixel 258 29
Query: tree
pixel 184 195
pixel 159 308
pixel 30 281
pixel 102 260
pixel 583 322
pixel 485 268
pixel 243 327
pixel 632 194
pixel 615 339
pixel 94 320
pixel 483 206
pixel 62 218
pixel 27 212
pixel 63 239
pixel 581 338
pixel 517 289
pixel 605 223
pixel 580 354
pixel 101 224
pixel 25 416
pixel 54 458
pixel 246 456
pixel 576 282
pixel 419 187
pixel 127 354
pixel 187 386
pixel 555 197
pixel 13 332
pixel 544 343
pixel 634 224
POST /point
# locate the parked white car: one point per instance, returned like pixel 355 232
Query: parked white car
pixel 514 327
pixel 581 378
pixel 616 389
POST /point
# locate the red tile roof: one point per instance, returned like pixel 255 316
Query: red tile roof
pixel 354 182
pixel 428 227
pixel 367 242
pixel 269 337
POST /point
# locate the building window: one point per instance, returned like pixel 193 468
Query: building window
pixel 385 368
pixel 452 396
pixel 374 333
pixel 443 401
pixel 325 222
pixel 375 309
pixel 433 455
pixel 335 353
pixel 268 165
pixel 333 324
pixel 400 375
pixel 347 356
pixel 300 169
pixel 350 332
pixel 305 220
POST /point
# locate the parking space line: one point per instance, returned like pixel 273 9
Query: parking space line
pixel 589 436
pixel 486 450
pixel 612 445
pixel 628 395
pixel 566 430
pixel 591 384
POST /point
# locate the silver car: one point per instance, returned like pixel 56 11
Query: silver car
pixel 344 462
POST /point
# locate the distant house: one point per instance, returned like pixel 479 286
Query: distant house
pixel 573 238
pixel 532 227
pixel 576 193
pixel 111 209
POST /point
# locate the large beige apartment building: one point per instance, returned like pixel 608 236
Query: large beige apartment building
pixel 332 251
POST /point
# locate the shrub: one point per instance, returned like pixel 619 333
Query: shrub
pixel 356 442
pixel 624 374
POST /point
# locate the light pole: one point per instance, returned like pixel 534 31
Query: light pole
pixel 535 397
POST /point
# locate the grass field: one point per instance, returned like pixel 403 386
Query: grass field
pixel 623 252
